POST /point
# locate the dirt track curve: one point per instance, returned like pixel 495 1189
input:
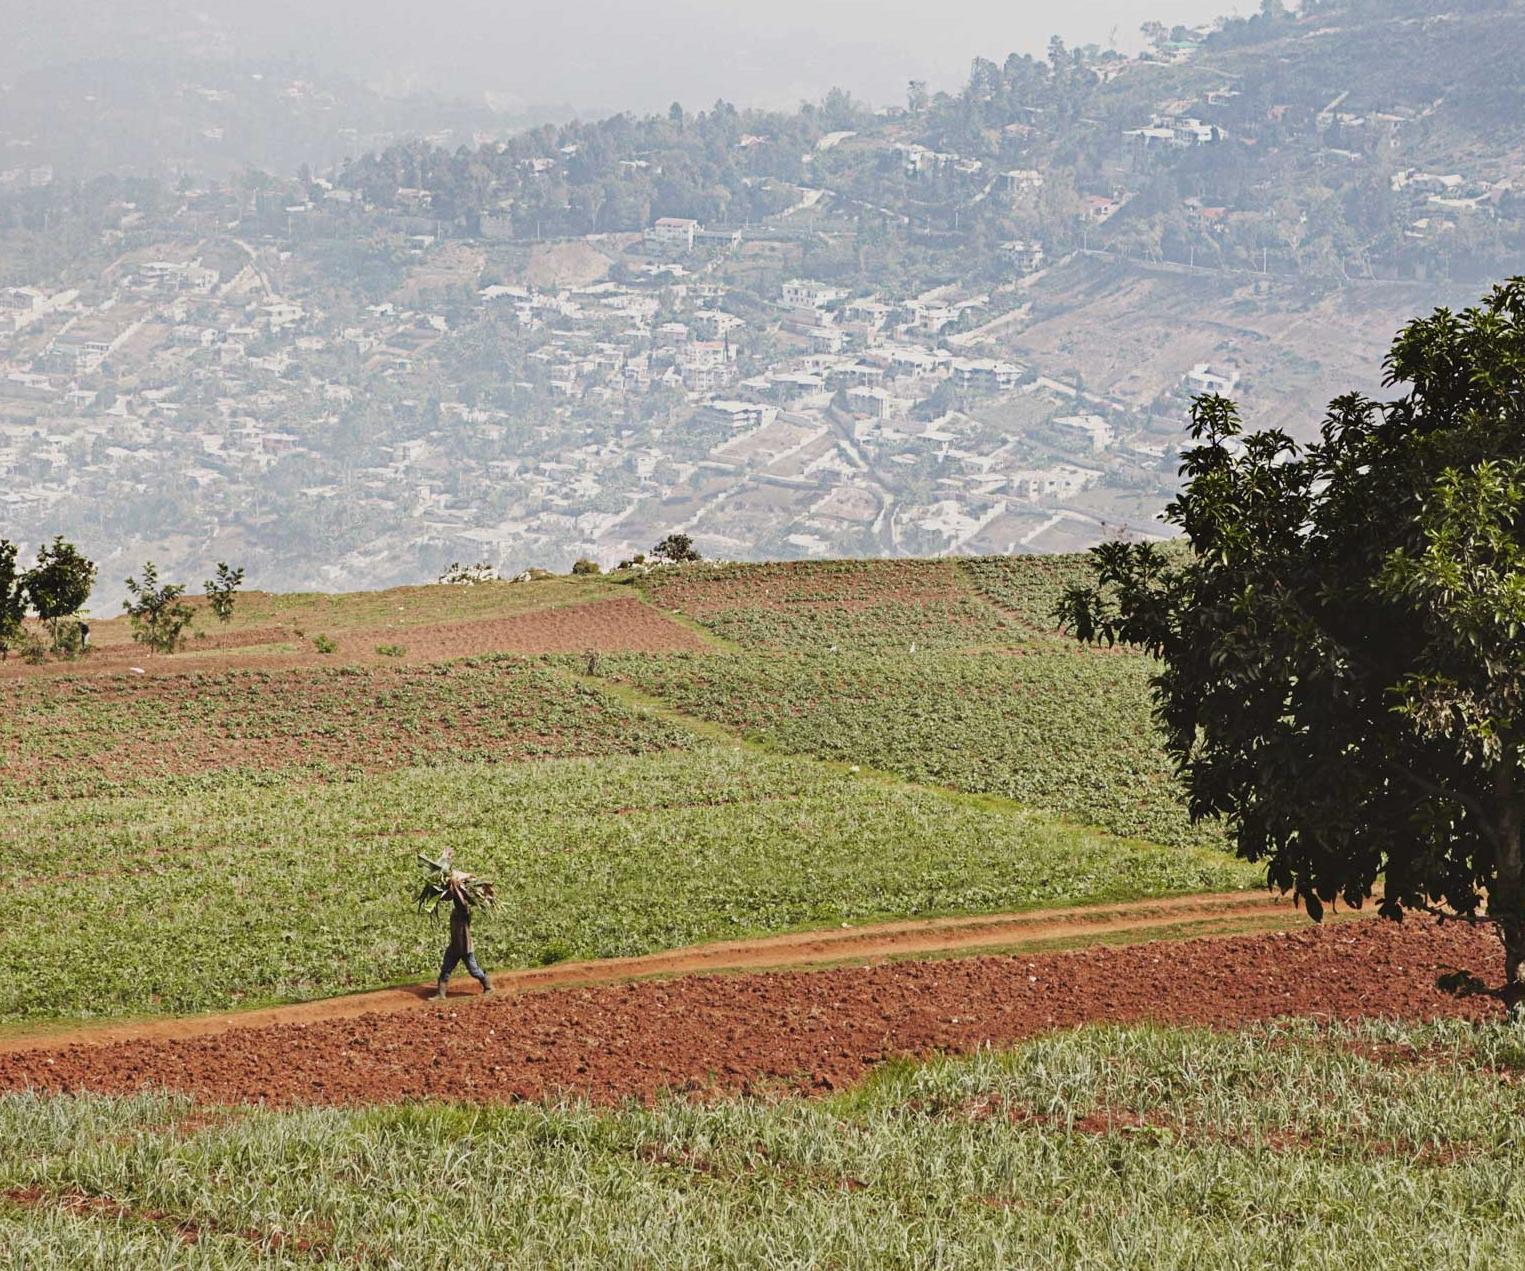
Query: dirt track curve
pixel 802 1030
pixel 798 949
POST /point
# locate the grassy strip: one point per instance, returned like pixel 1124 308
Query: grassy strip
pixel 253 894
pixel 1277 1146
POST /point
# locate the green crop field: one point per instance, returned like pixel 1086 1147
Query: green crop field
pixel 248 891
pixel 1068 732
pixel 1028 586
pixel 950 672
pixel 92 736
pixel 1372 1147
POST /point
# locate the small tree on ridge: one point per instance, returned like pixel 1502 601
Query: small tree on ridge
pixel 58 585
pixel 676 549
pixel 158 614
pixel 12 599
pixel 221 590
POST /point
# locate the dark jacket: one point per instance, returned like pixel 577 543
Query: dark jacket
pixel 460 929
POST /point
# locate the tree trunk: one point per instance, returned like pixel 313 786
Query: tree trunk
pixel 1506 901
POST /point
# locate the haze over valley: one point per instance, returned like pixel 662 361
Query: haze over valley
pixel 349 326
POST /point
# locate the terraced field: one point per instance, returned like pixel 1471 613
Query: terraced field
pixel 709 754
pixel 207 837
pixel 1068 733
pixel 840 606
pixel 825 662
pixel 90 736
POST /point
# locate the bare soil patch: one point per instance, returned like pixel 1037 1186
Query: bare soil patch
pixel 811 1031
pixel 622 625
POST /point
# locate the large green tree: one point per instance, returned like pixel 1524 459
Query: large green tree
pixel 1342 640
pixel 12 598
pixel 59 584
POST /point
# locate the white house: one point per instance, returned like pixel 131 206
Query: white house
pixel 740 415
pixel 803 293
pixel 1204 378
pixel 674 233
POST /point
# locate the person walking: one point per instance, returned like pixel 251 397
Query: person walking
pixel 465 892
pixel 460 948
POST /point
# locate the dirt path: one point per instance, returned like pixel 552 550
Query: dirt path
pixel 794 1030
pixel 799 949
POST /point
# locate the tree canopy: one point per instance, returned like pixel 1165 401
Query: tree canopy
pixel 59 584
pixel 12 597
pixel 1341 669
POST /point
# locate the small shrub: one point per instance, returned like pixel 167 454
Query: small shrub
pixel 33 650
pixel 159 614
pixel 586 566
pixel 391 650
pixel 324 645
pixel 222 589
pixel 552 951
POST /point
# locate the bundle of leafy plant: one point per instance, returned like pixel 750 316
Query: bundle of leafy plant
pixel 445 882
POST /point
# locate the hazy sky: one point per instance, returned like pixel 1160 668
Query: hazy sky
pixel 601 54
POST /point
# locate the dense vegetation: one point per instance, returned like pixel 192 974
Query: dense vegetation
pixel 1341 670
pixel 1104 1148
pixel 942 671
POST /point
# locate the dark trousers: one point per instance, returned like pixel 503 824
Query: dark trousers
pixel 452 958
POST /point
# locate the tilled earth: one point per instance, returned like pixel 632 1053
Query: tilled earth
pixel 622 624
pixel 814 1031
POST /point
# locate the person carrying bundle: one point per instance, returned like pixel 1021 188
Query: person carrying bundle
pixel 465 892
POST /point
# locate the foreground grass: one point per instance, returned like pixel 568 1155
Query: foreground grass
pixel 256 892
pixel 1371 1147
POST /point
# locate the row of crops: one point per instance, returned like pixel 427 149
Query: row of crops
pixel 872 606
pixel 90 736
pixel 950 672
pixel 1070 734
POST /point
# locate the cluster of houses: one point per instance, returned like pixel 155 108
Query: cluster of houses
pixel 193 372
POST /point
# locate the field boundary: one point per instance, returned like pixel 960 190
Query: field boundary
pixel 1177 917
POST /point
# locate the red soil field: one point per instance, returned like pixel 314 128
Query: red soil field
pixel 621 625
pixel 810 1031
